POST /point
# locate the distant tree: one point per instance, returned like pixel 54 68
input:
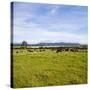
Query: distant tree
pixel 24 44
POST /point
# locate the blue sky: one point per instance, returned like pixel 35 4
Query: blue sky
pixel 36 23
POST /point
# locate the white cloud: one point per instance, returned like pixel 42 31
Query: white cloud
pixel 39 35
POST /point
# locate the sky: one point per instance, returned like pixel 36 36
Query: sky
pixel 35 23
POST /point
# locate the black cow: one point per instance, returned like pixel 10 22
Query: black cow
pixel 17 52
pixel 59 50
pixel 66 49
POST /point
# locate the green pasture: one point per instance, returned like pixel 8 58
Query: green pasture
pixel 48 68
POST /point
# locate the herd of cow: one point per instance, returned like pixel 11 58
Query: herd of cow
pixel 57 50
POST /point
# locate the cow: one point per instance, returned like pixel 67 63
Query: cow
pixel 29 50
pixel 17 52
pixel 66 49
pixel 59 50
pixel 74 49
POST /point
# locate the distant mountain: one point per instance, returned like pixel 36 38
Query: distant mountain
pixel 56 44
pixel 50 44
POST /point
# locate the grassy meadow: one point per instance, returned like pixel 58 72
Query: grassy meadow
pixel 48 68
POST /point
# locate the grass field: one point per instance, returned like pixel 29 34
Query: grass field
pixel 48 68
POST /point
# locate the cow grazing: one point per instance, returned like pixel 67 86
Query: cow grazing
pixel 74 49
pixel 67 49
pixel 40 50
pixel 17 52
pixel 29 50
pixel 59 50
